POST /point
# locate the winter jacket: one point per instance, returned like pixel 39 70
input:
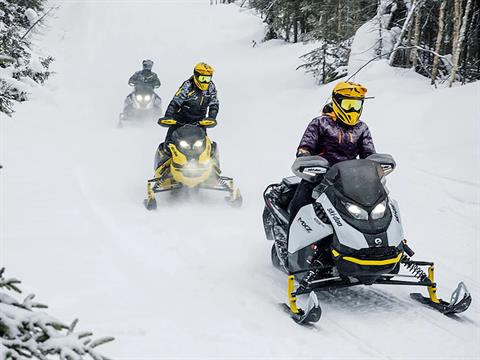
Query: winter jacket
pixel 190 104
pixel 145 78
pixel 335 141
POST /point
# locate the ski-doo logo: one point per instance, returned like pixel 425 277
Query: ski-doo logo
pixel 305 225
pixel 395 213
pixel 314 170
pixel 335 217
pixel 378 241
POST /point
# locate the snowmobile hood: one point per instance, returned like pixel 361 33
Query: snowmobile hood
pixel 358 180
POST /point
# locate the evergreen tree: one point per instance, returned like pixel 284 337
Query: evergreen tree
pixel 17 60
pixel 27 332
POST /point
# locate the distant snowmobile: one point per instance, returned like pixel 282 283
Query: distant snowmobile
pixel 193 165
pixel 142 103
pixel 351 235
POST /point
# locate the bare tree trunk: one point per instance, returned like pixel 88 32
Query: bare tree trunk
pixel 416 37
pixel 295 30
pixel 438 43
pixel 457 22
pixel 405 27
pixel 459 42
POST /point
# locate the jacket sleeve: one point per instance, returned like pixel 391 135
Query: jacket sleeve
pixel 311 136
pixel 214 103
pixel 155 82
pixel 158 82
pixel 133 79
pixel 366 144
pixel 177 101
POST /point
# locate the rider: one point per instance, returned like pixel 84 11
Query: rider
pixel 192 101
pixel 337 135
pixel 145 77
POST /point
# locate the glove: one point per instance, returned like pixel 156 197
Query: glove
pixel 303 152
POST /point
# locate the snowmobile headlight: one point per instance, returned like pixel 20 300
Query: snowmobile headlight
pixel 379 210
pixel 198 143
pixel 147 98
pixel 184 144
pixel 356 211
pixel 139 97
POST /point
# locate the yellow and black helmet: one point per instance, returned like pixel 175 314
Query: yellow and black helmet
pixel 202 75
pixel 347 101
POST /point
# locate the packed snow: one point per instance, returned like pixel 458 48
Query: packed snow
pixel 194 279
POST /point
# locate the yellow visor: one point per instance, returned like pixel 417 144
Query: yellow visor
pixel 351 104
pixel 204 79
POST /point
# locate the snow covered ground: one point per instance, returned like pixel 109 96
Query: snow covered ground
pixel 194 280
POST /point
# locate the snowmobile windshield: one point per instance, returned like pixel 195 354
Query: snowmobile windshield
pixel 143 89
pixel 190 139
pixel 359 181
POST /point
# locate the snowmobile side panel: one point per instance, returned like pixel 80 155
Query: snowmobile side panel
pixel 395 233
pixel 307 229
pixel 349 236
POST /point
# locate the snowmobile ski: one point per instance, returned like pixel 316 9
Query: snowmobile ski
pixel 455 306
pixel 312 312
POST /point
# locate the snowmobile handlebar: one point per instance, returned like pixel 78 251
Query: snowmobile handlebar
pixel 205 123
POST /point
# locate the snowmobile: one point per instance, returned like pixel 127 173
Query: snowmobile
pixel 351 235
pixel 193 165
pixel 142 103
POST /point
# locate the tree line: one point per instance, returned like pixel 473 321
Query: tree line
pixel 440 39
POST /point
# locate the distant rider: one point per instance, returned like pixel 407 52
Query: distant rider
pixel 194 99
pixel 337 135
pixel 145 77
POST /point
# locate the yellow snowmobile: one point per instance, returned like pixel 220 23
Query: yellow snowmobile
pixel 191 164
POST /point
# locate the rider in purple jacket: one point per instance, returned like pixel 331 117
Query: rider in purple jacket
pixel 337 135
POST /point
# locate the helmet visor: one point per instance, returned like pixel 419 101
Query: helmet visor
pixel 204 79
pixel 351 105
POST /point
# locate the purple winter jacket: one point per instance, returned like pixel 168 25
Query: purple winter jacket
pixel 337 142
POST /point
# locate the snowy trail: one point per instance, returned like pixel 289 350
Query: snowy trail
pixel 194 280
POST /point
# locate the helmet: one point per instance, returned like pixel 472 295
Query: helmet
pixel 147 64
pixel 347 101
pixel 202 75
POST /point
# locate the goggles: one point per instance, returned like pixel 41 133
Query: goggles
pixel 351 105
pixel 204 78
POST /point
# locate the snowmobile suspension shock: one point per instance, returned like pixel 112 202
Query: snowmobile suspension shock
pixel 316 267
pixel 414 268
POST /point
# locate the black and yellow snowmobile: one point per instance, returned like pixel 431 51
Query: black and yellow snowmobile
pixel 189 161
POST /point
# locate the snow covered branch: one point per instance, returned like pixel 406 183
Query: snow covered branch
pixel 26 333
pixel 20 67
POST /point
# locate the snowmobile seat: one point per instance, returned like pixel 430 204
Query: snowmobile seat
pixel 286 190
